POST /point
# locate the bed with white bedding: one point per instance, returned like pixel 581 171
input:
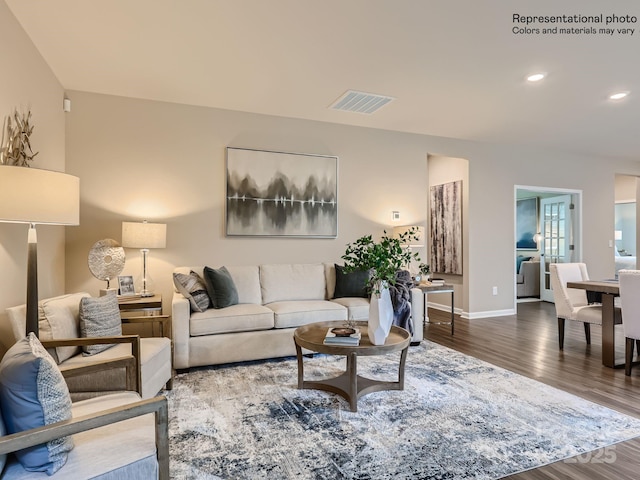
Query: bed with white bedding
pixel 624 262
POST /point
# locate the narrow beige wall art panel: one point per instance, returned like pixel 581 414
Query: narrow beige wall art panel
pixel 445 204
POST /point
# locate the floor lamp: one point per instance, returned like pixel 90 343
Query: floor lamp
pixel 34 196
pixel 144 236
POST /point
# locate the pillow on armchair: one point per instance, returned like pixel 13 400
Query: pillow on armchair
pixel 99 317
pixel 33 393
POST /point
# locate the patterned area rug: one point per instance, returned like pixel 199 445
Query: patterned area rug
pixel 457 418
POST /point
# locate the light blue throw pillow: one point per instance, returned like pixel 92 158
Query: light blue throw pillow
pixel 33 393
pixel 3 432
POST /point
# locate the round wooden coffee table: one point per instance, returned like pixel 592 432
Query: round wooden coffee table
pixel 349 384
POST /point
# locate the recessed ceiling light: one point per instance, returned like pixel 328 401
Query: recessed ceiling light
pixel 618 96
pixel 536 77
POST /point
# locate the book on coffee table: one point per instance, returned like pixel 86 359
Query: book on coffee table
pixel 341 336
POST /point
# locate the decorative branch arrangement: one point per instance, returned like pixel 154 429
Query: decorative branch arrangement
pixel 15 148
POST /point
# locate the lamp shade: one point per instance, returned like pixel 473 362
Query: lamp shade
pixel 31 195
pixel 419 233
pixel 144 235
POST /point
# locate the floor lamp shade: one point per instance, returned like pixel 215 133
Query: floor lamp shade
pixel 35 196
pixel 144 235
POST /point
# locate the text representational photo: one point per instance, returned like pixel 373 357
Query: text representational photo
pixel 281 194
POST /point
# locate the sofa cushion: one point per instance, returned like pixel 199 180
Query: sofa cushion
pixel 99 317
pixel 351 284
pixel 301 312
pixel 33 394
pixel 236 318
pixel 292 282
pixel 193 288
pixel 247 281
pixel 221 287
pixel 358 308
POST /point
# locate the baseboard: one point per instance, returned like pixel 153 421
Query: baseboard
pixel 490 313
pixel 471 316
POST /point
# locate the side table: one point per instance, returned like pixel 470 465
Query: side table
pixel 426 289
pixel 139 310
pixel 147 310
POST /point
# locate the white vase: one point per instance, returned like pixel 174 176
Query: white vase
pixel 380 316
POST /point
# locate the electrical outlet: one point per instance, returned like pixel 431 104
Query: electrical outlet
pixel 495 290
pixel 395 215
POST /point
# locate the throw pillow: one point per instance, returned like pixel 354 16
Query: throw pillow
pixel 193 288
pixel 33 394
pixel 57 319
pixel 99 317
pixel 352 284
pixel 222 290
pixel 3 457
pixel 519 260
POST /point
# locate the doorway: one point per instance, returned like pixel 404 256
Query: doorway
pixel 558 233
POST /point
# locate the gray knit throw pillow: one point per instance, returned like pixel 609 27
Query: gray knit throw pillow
pixel 99 317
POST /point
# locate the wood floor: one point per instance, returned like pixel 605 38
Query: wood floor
pixel 527 343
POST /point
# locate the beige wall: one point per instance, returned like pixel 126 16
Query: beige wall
pixel 166 162
pixel 27 82
pixel 140 159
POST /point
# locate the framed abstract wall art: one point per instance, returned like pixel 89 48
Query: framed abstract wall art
pixel 526 223
pixel 445 208
pixel 277 194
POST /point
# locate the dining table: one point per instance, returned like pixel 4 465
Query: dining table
pixel 609 289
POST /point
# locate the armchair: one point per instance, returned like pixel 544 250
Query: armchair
pixel 112 436
pixel 61 337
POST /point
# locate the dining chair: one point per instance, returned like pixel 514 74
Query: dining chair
pixel 630 304
pixel 571 303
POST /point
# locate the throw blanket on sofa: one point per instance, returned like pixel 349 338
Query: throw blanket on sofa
pixel 401 300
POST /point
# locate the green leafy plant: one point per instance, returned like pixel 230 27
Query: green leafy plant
pixel 424 269
pixel 15 147
pixel 382 259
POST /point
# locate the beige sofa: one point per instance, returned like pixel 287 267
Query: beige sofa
pixel 273 301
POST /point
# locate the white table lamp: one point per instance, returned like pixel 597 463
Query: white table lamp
pixel 35 196
pixel 144 235
pixel 417 240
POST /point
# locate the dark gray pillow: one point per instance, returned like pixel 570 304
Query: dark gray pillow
pixel 193 288
pixel 99 317
pixel 220 286
pixel 352 284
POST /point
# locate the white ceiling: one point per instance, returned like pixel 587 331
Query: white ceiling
pixel 454 66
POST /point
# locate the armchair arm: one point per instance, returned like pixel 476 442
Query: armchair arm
pixel 180 313
pixel 134 374
pixel 417 314
pixel 157 406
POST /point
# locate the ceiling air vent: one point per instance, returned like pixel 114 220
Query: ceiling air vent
pixel 360 102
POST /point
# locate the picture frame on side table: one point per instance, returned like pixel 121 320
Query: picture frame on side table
pixel 126 288
pixel 278 194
